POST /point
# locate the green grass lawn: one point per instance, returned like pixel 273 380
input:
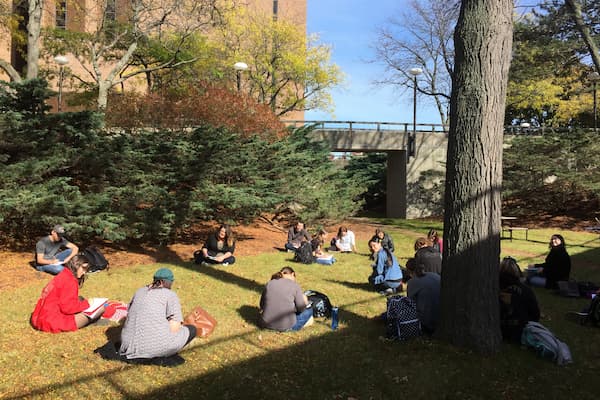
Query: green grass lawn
pixel 240 361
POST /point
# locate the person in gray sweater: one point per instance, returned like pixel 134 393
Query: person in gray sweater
pixel 283 304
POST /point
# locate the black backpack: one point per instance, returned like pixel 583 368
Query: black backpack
pixel 593 314
pixel 97 260
pixel 402 321
pixel 319 303
pixel 304 254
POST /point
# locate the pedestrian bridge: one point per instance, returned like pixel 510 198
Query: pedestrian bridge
pixel 411 149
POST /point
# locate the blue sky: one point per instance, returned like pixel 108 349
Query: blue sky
pixel 349 27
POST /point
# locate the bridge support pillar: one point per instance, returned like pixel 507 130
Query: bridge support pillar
pixel 396 184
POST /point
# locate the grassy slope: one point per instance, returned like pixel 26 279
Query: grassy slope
pixel 239 361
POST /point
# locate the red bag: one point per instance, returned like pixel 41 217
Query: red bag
pixel 202 320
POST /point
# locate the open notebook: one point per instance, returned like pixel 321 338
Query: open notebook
pixel 96 307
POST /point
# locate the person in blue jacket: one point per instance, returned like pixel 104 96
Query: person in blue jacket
pixel 387 275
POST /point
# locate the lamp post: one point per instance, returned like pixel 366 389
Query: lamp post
pixel 413 137
pixel 61 61
pixel 239 67
pixel 594 77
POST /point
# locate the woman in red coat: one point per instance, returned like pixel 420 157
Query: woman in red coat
pixel 59 308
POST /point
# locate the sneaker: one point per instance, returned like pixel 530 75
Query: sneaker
pixel 225 264
pixel 204 264
pixel 387 292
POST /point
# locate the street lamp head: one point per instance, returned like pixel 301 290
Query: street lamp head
pixel 61 60
pixel 240 66
pixel 594 76
pixel 415 71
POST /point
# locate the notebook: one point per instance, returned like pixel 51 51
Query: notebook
pixel 96 307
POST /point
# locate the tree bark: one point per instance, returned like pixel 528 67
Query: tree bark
pixel 34 26
pixel 470 305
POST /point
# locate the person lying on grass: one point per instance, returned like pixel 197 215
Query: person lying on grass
pixel 154 325
pixel 60 309
pixel 283 304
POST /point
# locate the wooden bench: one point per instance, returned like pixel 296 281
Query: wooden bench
pixel 511 229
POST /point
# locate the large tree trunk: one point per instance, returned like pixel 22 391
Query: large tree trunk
pixel 470 306
pixel 34 26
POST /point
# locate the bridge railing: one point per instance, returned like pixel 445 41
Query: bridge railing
pixel 408 127
pixel 368 125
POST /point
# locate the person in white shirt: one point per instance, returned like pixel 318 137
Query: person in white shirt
pixel 345 240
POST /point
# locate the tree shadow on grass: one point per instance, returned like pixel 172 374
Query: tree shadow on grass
pixel 353 285
pixel 220 273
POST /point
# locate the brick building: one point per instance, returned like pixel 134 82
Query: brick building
pixel 84 16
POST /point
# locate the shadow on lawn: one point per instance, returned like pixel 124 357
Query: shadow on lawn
pixel 353 285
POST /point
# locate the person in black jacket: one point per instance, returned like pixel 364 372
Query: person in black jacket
pixel 557 266
pixel 428 256
pixel 518 303
pixel 218 248
pixel 384 239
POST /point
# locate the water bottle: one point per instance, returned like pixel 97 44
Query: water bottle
pixel 334 318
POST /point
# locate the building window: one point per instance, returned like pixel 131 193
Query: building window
pixel 110 13
pixel 61 15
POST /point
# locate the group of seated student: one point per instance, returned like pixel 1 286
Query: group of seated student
pixel 218 248
pixel 154 326
pixel 317 242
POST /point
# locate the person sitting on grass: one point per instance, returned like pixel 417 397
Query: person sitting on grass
pixel 53 251
pixel 297 234
pixel 345 240
pixel 424 288
pixel 218 248
pixel 518 303
pixel 60 309
pixel 556 267
pixel 317 247
pixel 436 241
pixel 154 326
pixel 283 304
pixel 428 256
pixel 386 240
pixel 387 275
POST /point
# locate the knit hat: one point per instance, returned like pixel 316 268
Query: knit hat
pixel 164 274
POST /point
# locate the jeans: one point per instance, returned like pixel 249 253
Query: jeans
pixel 302 319
pixel 537 281
pixel 290 246
pixel 55 268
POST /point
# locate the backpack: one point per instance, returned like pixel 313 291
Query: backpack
pixel 545 344
pixel 97 260
pixel 320 304
pixel 593 312
pixel 304 254
pixel 402 321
